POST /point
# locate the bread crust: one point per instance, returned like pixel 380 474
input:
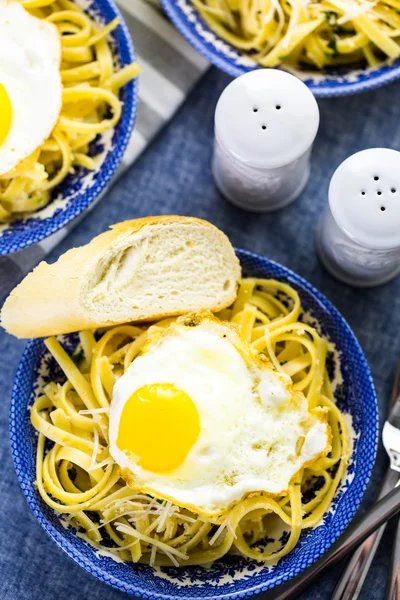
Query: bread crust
pixel 47 301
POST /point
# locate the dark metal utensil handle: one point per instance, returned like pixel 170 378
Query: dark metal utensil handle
pixel 356 570
pixel 358 531
pixel 393 581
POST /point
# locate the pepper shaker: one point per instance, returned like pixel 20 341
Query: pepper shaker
pixel 265 124
pixel 358 238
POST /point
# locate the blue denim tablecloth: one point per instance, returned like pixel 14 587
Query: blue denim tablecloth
pixel 174 177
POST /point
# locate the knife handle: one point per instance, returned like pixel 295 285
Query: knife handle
pixel 393 581
pixel 354 575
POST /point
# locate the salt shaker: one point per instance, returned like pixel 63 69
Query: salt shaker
pixel 358 238
pixel 265 124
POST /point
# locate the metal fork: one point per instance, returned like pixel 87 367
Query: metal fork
pixel 391 441
pixel 355 534
pixel 353 577
pixel 362 537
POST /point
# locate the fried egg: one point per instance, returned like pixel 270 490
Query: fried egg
pixel 30 83
pixel 202 420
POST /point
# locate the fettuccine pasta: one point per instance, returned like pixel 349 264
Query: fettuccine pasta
pixel 90 106
pixel 78 478
pixel 304 34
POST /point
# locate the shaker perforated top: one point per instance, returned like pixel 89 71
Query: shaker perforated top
pixel 364 197
pixel 267 118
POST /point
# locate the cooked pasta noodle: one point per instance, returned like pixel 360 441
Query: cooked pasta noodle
pixel 90 106
pixel 78 478
pixel 327 33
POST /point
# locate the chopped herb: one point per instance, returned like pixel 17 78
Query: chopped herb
pixel 332 45
pixel 77 356
pixel 72 473
pixel 331 17
pixel 189 535
pixel 341 391
pixel 297 483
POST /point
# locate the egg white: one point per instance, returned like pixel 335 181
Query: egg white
pixel 30 56
pixel 251 419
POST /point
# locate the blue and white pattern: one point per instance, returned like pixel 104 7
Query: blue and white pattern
pixel 341 82
pixel 232 575
pixel 80 189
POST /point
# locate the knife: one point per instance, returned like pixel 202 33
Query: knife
pixel 353 577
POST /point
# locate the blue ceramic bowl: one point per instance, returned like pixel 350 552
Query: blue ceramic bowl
pixel 78 191
pixel 232 575
pixel 189 22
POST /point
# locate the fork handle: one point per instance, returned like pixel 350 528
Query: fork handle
pixel 393 581
pixel 354 575
pixel 356 533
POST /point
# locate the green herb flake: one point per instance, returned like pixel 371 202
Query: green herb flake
pixel 341 391
pixel 78 356
pixel 331 17
pixel 333 46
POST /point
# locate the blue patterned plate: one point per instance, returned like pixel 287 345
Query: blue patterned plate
pixel 190 24
pixel 79 190
pixel 232 575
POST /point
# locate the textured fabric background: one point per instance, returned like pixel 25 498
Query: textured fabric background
pixel 173 176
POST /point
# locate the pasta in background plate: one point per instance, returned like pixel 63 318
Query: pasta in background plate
pixel 77 477
pixel 90 106
pixel 302 33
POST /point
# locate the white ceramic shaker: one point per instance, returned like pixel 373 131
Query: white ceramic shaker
pixel 358 238
pixel 265 124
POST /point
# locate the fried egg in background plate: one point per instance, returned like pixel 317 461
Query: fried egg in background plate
pixel 200 419
pixel 30 83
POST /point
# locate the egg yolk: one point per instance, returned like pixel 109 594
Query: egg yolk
pixel 159 425
pixel 5 114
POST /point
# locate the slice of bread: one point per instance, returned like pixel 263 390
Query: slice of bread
pixel 139 270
